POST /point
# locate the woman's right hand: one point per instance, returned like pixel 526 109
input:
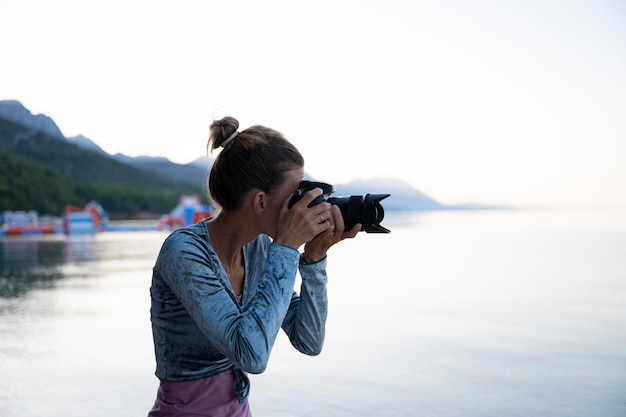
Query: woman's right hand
pixel 300 223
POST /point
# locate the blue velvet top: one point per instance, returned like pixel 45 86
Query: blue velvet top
pixel 200 330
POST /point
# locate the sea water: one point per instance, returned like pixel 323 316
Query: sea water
pixel 455 313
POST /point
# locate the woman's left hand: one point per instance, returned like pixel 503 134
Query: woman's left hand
pixel 315 249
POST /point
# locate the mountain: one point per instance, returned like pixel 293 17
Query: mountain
pixel 192 173
pixel 39 140
pixel 403 196
pixel 203 162
pixel 86 143
pixel 189 173
pixel 45 173
pixel 14 111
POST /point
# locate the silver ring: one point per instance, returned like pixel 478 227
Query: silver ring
pixel 321 218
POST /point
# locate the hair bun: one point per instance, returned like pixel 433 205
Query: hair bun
pixel 222 131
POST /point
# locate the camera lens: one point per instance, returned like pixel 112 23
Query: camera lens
pixel 366 210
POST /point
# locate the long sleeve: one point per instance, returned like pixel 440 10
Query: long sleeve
pixel 244 335
pixel 305 323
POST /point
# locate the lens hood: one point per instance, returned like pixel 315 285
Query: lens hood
pixel 366 210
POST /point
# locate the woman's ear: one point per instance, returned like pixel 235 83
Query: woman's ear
pixel 259 202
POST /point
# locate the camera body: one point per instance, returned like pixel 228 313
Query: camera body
pixel 366 209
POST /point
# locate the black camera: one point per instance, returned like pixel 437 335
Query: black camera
pixel 366 209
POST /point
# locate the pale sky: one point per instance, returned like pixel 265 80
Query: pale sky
pixel 509 102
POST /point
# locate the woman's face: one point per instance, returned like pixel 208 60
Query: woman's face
pixel 277 199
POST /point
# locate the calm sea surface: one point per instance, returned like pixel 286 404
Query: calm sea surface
pixel 469 314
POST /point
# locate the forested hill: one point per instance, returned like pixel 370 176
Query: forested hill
pixel 44 173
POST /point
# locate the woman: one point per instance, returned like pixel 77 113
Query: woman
pixel 222 289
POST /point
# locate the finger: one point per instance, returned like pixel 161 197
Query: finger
pixel 336 220
pixel 337 217
pixel 354 231
pixel 324 213
pixel 320 216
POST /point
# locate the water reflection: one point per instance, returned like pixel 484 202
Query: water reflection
pixel 35 262
pixel 499 313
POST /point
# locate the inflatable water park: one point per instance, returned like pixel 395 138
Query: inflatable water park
pixel 92 219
